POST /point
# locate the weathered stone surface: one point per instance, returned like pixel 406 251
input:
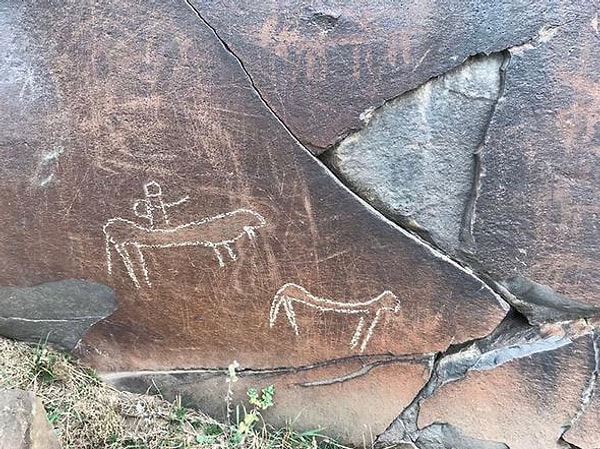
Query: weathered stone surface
pixel 23 423
pixel 415 159
pixel 57 312
pixel 541 304
pixel 537 211
pixel 508 404
pixel 135 152
pixel 513 343
pixel 365 391
pixel 320 66
pixel 445 436
pixel 584 429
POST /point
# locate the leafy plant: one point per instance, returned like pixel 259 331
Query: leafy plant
pixel 44 362
pixel 246 419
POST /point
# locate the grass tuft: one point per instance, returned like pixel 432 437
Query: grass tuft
pixel 89 414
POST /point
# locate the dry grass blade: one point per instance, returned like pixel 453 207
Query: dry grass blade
pixel 88 414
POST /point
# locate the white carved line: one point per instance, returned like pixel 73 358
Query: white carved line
pixel 125 235
pixel 371 309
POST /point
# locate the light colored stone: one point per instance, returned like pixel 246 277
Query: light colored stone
pixel 415 160
pixel 23 422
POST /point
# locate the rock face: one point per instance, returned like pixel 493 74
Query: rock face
pixel 23 423
pixel 54 312
pixel 166 150
pixel 320 66
pixel 506 404
pixel 415 158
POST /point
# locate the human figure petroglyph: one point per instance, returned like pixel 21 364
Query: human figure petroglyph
pixel 372 309
pixel 155 208
pixel 129 238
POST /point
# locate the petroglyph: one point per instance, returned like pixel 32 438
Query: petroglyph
pixel 371 310
pixel 128 238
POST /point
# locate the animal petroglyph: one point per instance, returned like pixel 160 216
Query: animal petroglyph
pixel 129 238
pixel 371 310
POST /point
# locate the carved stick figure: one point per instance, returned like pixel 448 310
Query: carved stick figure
pixel 154 209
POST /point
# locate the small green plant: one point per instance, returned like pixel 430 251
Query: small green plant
pixel 44 362
pixel 53 416
pixel 246 419
pixel 260 402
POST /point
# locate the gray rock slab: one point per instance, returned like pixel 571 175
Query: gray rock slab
pixel 23 422
pixel 59 312
pixel 415 159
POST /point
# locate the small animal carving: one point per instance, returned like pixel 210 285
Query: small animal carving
pixel 371 310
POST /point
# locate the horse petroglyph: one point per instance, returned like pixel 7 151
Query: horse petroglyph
pixel 129 238
pixel 371 310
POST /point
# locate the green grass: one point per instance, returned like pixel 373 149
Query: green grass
pixel 89 414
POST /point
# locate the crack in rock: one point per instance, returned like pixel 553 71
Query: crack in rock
pixel 588 393
pixel 423 148
pixel 541 304
pixel 412 136
pixel 368 363
pixel 471 87
pixel 513 339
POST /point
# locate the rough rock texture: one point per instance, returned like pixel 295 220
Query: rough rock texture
pixel 537 212
pixel 508 403
pixel 359 390
pixel 137 153
pixel 524 361
pixel 23 423
pixel 162 149
pixel 541 304
pixel 56 312
pixel 415 158
pixel 321 65
pixel 584 429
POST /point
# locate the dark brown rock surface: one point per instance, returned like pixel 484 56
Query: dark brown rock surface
pixel 508 403
pixel 136 153
pixel 164 150
pixel 536 215
pixel 363 391
pixel 321 65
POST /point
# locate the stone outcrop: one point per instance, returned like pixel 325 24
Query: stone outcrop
pixel 54 312
pixel 441 244
pixel 23 423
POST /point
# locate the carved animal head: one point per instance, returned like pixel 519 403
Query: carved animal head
pixel 253 221
pixel 389 301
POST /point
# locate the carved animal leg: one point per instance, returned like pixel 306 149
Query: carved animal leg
pixel 275 306
pixel 249 230
pixel 230 251
pixel 143 264
pixel 108 244
pixel 357 332
pixel 219 257
pixel 278 302
pixel 126 257
pixel 291 314
pixel 370 330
